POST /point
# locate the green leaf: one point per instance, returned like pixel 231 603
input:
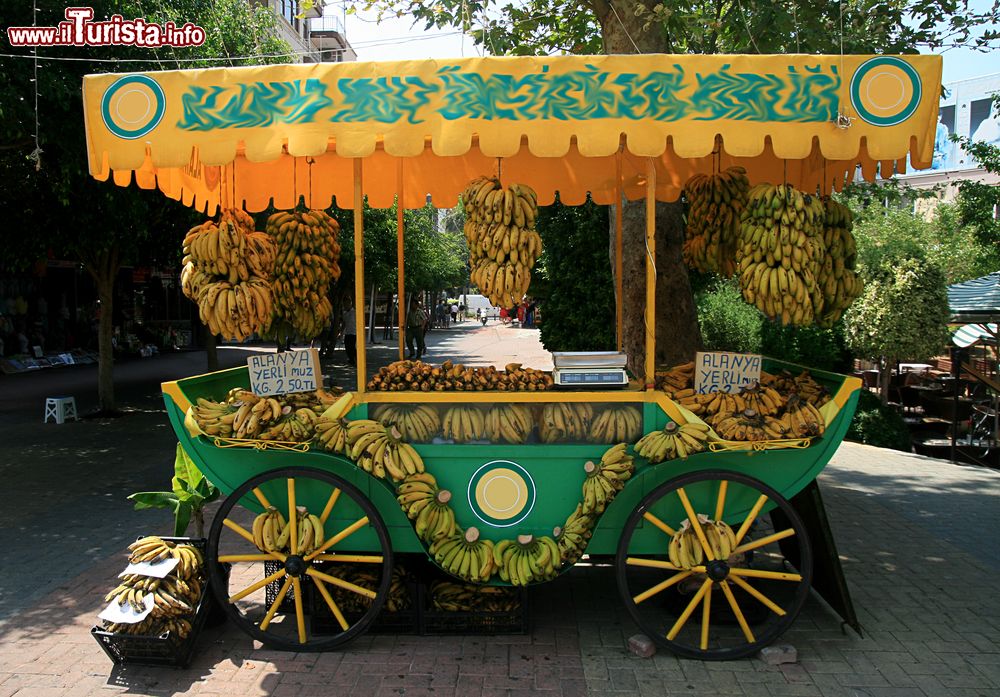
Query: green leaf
pixel 154 499
pixel 182 517
pixel 187 476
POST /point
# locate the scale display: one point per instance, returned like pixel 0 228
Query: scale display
pixel 591 378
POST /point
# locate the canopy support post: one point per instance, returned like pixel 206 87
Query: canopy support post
pixel 400 262
pixel 650 273
pixel 619 283
pixel 359 276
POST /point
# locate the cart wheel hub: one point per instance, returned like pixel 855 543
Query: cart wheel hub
pixel 295 565
pixel 717 570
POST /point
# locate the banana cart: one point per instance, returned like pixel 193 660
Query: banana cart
pixel 711 559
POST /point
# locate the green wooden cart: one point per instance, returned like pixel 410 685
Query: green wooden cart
pixel 611 128
pixel 746 601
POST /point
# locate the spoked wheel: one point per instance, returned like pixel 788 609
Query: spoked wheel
pixel 713 608
pixel 301 595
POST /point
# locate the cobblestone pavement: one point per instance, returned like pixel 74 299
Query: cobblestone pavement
pixel 916 536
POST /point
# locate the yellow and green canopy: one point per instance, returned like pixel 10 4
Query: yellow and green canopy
pixel 247 136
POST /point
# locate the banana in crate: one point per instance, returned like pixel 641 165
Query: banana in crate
pixel 565 422
pixel 306 261
pixel 715 204
pixel 616 424
pixel 508 423
pixel 227 272
pixel 415 422
pixel 500 233
pixel 175 596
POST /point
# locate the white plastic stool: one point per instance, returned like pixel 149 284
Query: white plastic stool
pixel 60 409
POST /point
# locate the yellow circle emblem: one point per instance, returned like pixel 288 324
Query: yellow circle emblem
pixel 502 493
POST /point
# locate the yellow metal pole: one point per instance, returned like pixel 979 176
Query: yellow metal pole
pixel 650 273
pixel 359 275
pixel 619 284
pixel 400 263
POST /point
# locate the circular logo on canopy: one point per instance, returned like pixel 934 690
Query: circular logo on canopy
pixel 501 493
pixel 133 106
pixel 885 90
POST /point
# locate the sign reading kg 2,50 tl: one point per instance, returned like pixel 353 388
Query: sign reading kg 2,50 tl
pixel 281 373
pixel 717 371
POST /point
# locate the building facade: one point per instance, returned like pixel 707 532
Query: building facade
pixel 966 109
pixel 317 35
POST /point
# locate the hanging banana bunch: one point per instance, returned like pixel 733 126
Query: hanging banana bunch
pixel 306 262
pixel 227 269
pixel 715 204
pixel 840 283
pixel 780 253
pixel 500 232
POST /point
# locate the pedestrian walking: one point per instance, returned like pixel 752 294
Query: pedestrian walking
pixel 416 324
pixel 351 334
pixel 454 314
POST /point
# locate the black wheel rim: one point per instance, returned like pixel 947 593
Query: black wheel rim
pixel 657 600
pixel 322 606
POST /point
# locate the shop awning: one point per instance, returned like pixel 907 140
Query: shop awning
pixel 969 334
pixel 977 300
pixel 250 135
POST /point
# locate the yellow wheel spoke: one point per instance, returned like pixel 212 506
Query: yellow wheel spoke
pixel 682 620
pixel 760 573
pixel 244 557
pixel 349 530
pixel 341 583
pixel 720 503
pixel 647 594
pixel 260 497
pixel 257 586
pixel 329 505
pixel 736 611
pixel 244 533
pixel 764 541
pixel 751 517
pixel 239 530
pixel 706 610
pixel 659 523
pixel 321 587
pixel 276 604
pixel 353 558
pixel 300 617
pixel 693 517
pixel 294 529
pixel 757 594
pixel 657 564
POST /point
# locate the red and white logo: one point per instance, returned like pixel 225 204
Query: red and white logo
pixel 79 29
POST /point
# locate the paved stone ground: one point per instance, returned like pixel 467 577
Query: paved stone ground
pixel 916 535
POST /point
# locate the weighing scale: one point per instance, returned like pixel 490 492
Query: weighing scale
pixel 588 370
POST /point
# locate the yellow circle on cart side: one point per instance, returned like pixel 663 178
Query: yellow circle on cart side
pixel 133 105
pixel 885 90
pixel 502 493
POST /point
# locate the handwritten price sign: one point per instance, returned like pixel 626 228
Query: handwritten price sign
pixel 717 371
pixel 281 373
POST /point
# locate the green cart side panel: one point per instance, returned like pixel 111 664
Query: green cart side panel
pixel 556 472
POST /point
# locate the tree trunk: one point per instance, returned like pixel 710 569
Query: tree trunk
pixel 211 351
pixel 885 371
pixel 676 330
pixel 103 268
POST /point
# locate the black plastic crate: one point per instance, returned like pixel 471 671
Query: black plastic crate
pixel 401 621
pixel 166 649
pixel 515 620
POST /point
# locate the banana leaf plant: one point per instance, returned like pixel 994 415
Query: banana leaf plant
pixel 191 491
